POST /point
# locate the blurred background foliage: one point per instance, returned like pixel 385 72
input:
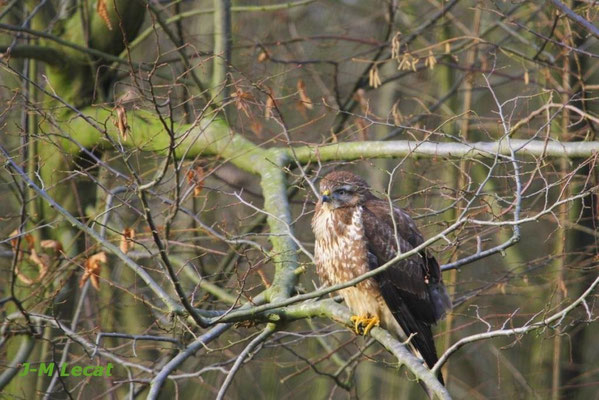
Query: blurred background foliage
pixel 338 71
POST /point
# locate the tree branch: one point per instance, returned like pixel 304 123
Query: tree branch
pixel 330 309
pixel 270 328
pixel 157 289
pixel 349 151
pixel 592 29
pixel 45 54
pixel 222 49
pixel 173 364
pixel 515 331
pixel 192 13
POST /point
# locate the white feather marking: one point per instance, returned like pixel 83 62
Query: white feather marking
pixel 341 255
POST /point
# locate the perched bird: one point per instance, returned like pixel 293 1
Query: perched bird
pixel 356 232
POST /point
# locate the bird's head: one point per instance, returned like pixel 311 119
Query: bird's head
pixel 341 189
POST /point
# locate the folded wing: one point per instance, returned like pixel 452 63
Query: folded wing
pixel 412 288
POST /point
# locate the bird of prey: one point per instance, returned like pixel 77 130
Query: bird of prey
pixel 357 232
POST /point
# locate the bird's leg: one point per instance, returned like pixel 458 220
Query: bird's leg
pixel 366 322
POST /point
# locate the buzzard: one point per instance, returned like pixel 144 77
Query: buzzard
pixel 355 233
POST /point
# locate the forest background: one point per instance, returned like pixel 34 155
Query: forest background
pixel 159 163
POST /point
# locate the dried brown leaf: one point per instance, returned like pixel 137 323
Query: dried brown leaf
pixel 92 270
pixel 263 56
pixel 501 286
pixel 397 117
pixel 362 128
pixel 41 261
pixel 196 177
pixel 102 11
pixel 270 103
pixel 127 242
pixel 334 137
pixel 301 108
pixel 241 98
pixel 54 245
pixel 14 240
pixel 562 287
pixel 306 101
pixel 360 97
pixel 256 127
pixel 121 121
pixel 27 238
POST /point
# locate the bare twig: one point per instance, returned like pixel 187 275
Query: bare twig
pixel 546 322
pixel 270 328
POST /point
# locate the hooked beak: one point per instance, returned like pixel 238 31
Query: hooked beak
pixel 326 196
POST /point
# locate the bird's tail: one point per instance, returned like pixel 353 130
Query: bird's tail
pixel 425 348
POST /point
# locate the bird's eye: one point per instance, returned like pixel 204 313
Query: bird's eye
pixel 341 192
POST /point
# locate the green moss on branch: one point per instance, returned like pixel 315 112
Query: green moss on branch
pixel 209 137
pixel 403 148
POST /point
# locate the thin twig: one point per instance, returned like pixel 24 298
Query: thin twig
pixel 270 328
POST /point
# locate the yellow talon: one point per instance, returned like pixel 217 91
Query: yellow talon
pixel 366 322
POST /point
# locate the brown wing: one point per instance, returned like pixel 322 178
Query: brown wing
pixel 427 269
pixel 415 304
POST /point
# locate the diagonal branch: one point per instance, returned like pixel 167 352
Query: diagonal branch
pixel 158 381
pixel 330 309
pixel 270 328
pixel 592 29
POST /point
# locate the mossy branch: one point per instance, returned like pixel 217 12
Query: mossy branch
pixel 349 151
pixel 222 49
pixel 45 54
pixel 212 136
